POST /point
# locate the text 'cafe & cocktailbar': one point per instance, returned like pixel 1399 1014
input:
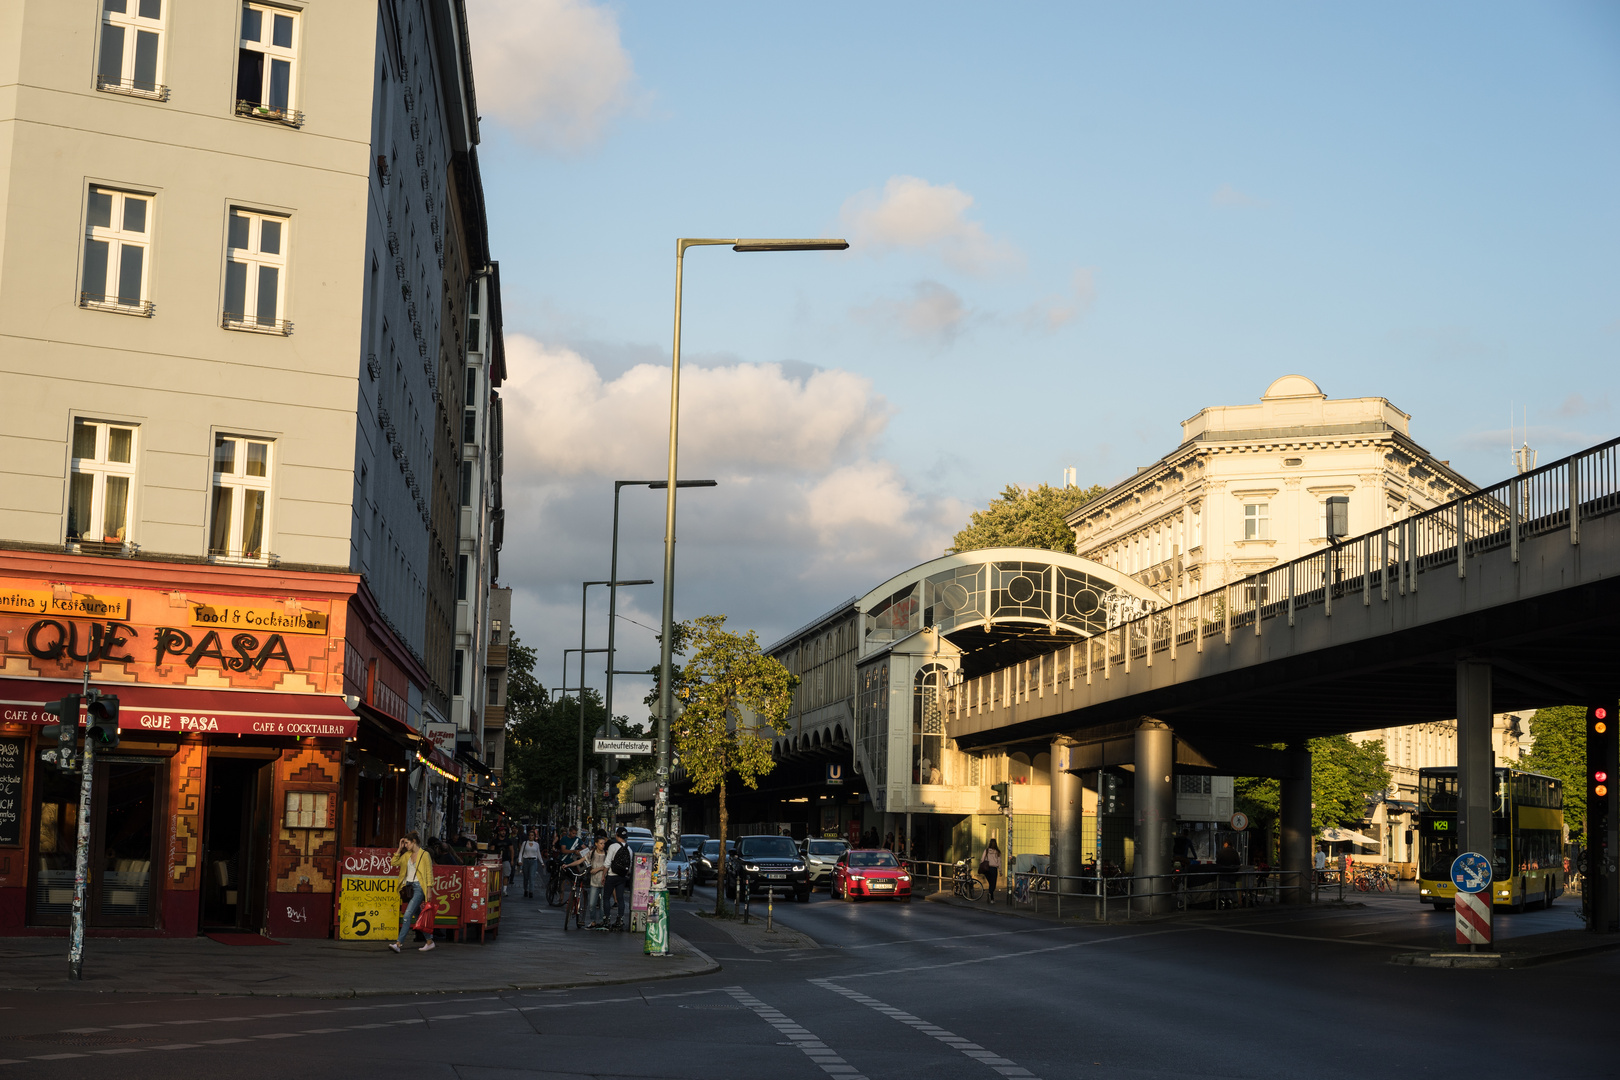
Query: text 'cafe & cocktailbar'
pixel 260 723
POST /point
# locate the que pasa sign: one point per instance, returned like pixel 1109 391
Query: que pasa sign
pixel 164 636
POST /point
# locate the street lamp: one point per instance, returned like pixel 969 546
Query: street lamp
pixel 584 588
pixel 666 650
pixel 613 571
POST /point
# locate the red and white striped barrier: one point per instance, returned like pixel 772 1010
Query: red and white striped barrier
pixel 1473 918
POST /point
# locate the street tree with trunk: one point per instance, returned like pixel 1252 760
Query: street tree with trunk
pixel 1026 517
pixel 735 699
pixel 1345 775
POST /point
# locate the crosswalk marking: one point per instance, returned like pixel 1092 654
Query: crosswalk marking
pixel 813 1048
pixel 968 1047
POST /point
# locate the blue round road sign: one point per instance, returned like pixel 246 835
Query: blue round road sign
pixel 1471 872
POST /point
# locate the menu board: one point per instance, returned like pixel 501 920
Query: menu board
pixel 12 760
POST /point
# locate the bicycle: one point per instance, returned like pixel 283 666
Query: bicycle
pixel 965 885
pixel 575 907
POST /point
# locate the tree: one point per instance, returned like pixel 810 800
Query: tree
pixel 1345 774
pixel 735 697
pixel 1560 751
pixel 542 735
pixel 1026 517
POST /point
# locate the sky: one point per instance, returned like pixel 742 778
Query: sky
pixel 1072 226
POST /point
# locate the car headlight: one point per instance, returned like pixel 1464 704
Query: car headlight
pixel 752 869
pixel 798 866
pixel 904 878
pixel 853 876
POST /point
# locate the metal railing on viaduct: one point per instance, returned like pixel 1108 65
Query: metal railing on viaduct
pixel 1523 575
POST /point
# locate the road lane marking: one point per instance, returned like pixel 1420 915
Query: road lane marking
pixel 1004 1066
pixel 824 1056
pixel 955 937
pixel 1014 955
pixel 1312 937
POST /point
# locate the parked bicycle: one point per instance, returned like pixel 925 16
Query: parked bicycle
pixel 964 884
pixel 575 907
pixel 1373 878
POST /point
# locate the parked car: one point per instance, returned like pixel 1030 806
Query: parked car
pixel 769 862
pixel 874 874
pixel 704 869
pixel 821 856
pixel 677 870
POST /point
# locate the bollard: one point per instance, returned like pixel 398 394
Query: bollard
pixel 770 908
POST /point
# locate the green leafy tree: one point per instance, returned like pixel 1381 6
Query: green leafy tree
pixel 1560 751
pixel 1026 517
pixel 735 698
pixel 1345 774
pixel 542 736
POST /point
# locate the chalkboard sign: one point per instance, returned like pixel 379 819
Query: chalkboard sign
pixel 12 759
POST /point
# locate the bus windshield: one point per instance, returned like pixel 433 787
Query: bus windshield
pixel 1437 794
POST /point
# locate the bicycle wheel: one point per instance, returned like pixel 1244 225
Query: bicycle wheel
pixel 974 889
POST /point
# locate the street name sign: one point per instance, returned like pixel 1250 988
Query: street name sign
pixel 623 746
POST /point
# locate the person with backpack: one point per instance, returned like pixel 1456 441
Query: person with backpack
pixel 621 865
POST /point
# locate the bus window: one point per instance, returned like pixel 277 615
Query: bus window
pixel 1435 855
pixel 1438 794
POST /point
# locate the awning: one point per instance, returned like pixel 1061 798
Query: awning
pixel 1346 836
pixel 185 709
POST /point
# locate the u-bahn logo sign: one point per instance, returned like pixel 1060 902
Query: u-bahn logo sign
pixel 835 773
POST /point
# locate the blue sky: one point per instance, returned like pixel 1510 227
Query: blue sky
pixel 1073 227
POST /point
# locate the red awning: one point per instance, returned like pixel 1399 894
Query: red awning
pixel 184 709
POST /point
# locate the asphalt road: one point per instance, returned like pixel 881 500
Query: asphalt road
pixel 896 990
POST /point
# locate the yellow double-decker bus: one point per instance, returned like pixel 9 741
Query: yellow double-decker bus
pixel 1527 838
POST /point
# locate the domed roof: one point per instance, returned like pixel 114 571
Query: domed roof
pixel 1291 386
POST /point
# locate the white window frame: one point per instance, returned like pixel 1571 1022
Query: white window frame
pixel 239 483
pixel 99 467
pixel 254 258
pixel 117 238
pixel 262 109
pixel 1257 521
pixel 133 24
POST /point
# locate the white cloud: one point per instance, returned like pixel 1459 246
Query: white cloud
pixel 807 511
pixel 552 71
pixel 912 214
pixel 1227 195
pixel 1051 312
pixel 933 313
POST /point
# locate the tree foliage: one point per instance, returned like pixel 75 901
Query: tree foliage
pixel 735 699
pixel 542 736
pixel 1560 751
pixel 1026 517
pixel 1345 774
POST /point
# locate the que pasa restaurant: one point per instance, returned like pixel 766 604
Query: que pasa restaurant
pixel 222 806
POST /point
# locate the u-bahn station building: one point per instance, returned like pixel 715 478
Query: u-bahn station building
pixel 870 745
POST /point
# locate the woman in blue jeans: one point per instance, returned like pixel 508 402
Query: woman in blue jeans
pixel 415 867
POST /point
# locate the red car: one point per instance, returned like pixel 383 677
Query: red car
pixel 871 873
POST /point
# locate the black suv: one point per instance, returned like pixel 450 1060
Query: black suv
pixel 703 860
pixel 768 862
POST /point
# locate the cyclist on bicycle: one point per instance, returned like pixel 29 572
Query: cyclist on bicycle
pixel 575 865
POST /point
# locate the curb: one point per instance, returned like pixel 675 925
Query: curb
pixel 710 967
pixel 1479 961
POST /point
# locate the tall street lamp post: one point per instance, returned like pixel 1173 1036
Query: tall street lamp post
pixel 613 572
pixel 665 652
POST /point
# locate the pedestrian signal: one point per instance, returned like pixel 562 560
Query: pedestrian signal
pixel 1002 795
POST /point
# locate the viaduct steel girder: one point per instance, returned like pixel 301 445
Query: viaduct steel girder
pixel 1361 636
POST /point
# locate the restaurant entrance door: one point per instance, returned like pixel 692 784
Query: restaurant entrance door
pixel 236 837
pixel 125 830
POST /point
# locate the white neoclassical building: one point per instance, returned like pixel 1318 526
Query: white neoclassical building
pixel 1251 486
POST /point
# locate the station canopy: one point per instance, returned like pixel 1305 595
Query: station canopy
pixel 1002 605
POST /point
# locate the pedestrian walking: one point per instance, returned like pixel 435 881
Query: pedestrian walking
pixel 621 864
pixel 415 868
pixel 598 882
pixel 508 851
pixel 990 865
pixel 529 857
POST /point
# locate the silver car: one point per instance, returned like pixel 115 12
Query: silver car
pixel 677 871
pixel 820 858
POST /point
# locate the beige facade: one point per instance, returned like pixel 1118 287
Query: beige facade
pixel 1249 485
pixel 239 249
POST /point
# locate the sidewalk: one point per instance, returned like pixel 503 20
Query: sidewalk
pixel 531 952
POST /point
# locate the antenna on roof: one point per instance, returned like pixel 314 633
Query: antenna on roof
pixel 1071 477
pixel 1524 458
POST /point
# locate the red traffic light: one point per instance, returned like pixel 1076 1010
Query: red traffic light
pixel 1601 777
pixel 1601 713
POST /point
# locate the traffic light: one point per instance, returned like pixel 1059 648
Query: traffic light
pixel 1602 885
pixel 1002 795
pixel 101 721
pixel 65 731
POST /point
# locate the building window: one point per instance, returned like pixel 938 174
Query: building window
pixel 1257 521
pixel 130 59
pixel 256 272
pixel 475 341
pixel 927 727
pixel 461 577
pixel 240 507
pixel 457 672
pixel 116 237
pixel 494 690
pixel 466 483
pixel 266 66
pixel 101 482
pixel 469 425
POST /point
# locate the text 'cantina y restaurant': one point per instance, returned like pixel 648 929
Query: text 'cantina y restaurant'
pixel 268 720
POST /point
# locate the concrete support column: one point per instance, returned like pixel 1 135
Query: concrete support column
pixel 1294 812
pixel 1155 812
pixel 1476 773
pixel 1067 796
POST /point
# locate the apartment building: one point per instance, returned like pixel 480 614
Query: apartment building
pixel 249 340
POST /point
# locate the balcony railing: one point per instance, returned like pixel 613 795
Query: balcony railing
pixel 155 91
pixel 232 320
pixel 122 305
pixel 258 111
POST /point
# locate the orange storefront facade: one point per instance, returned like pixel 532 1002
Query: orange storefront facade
pixel 264 726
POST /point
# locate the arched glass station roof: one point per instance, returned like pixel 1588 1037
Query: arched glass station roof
pixel 1001 605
